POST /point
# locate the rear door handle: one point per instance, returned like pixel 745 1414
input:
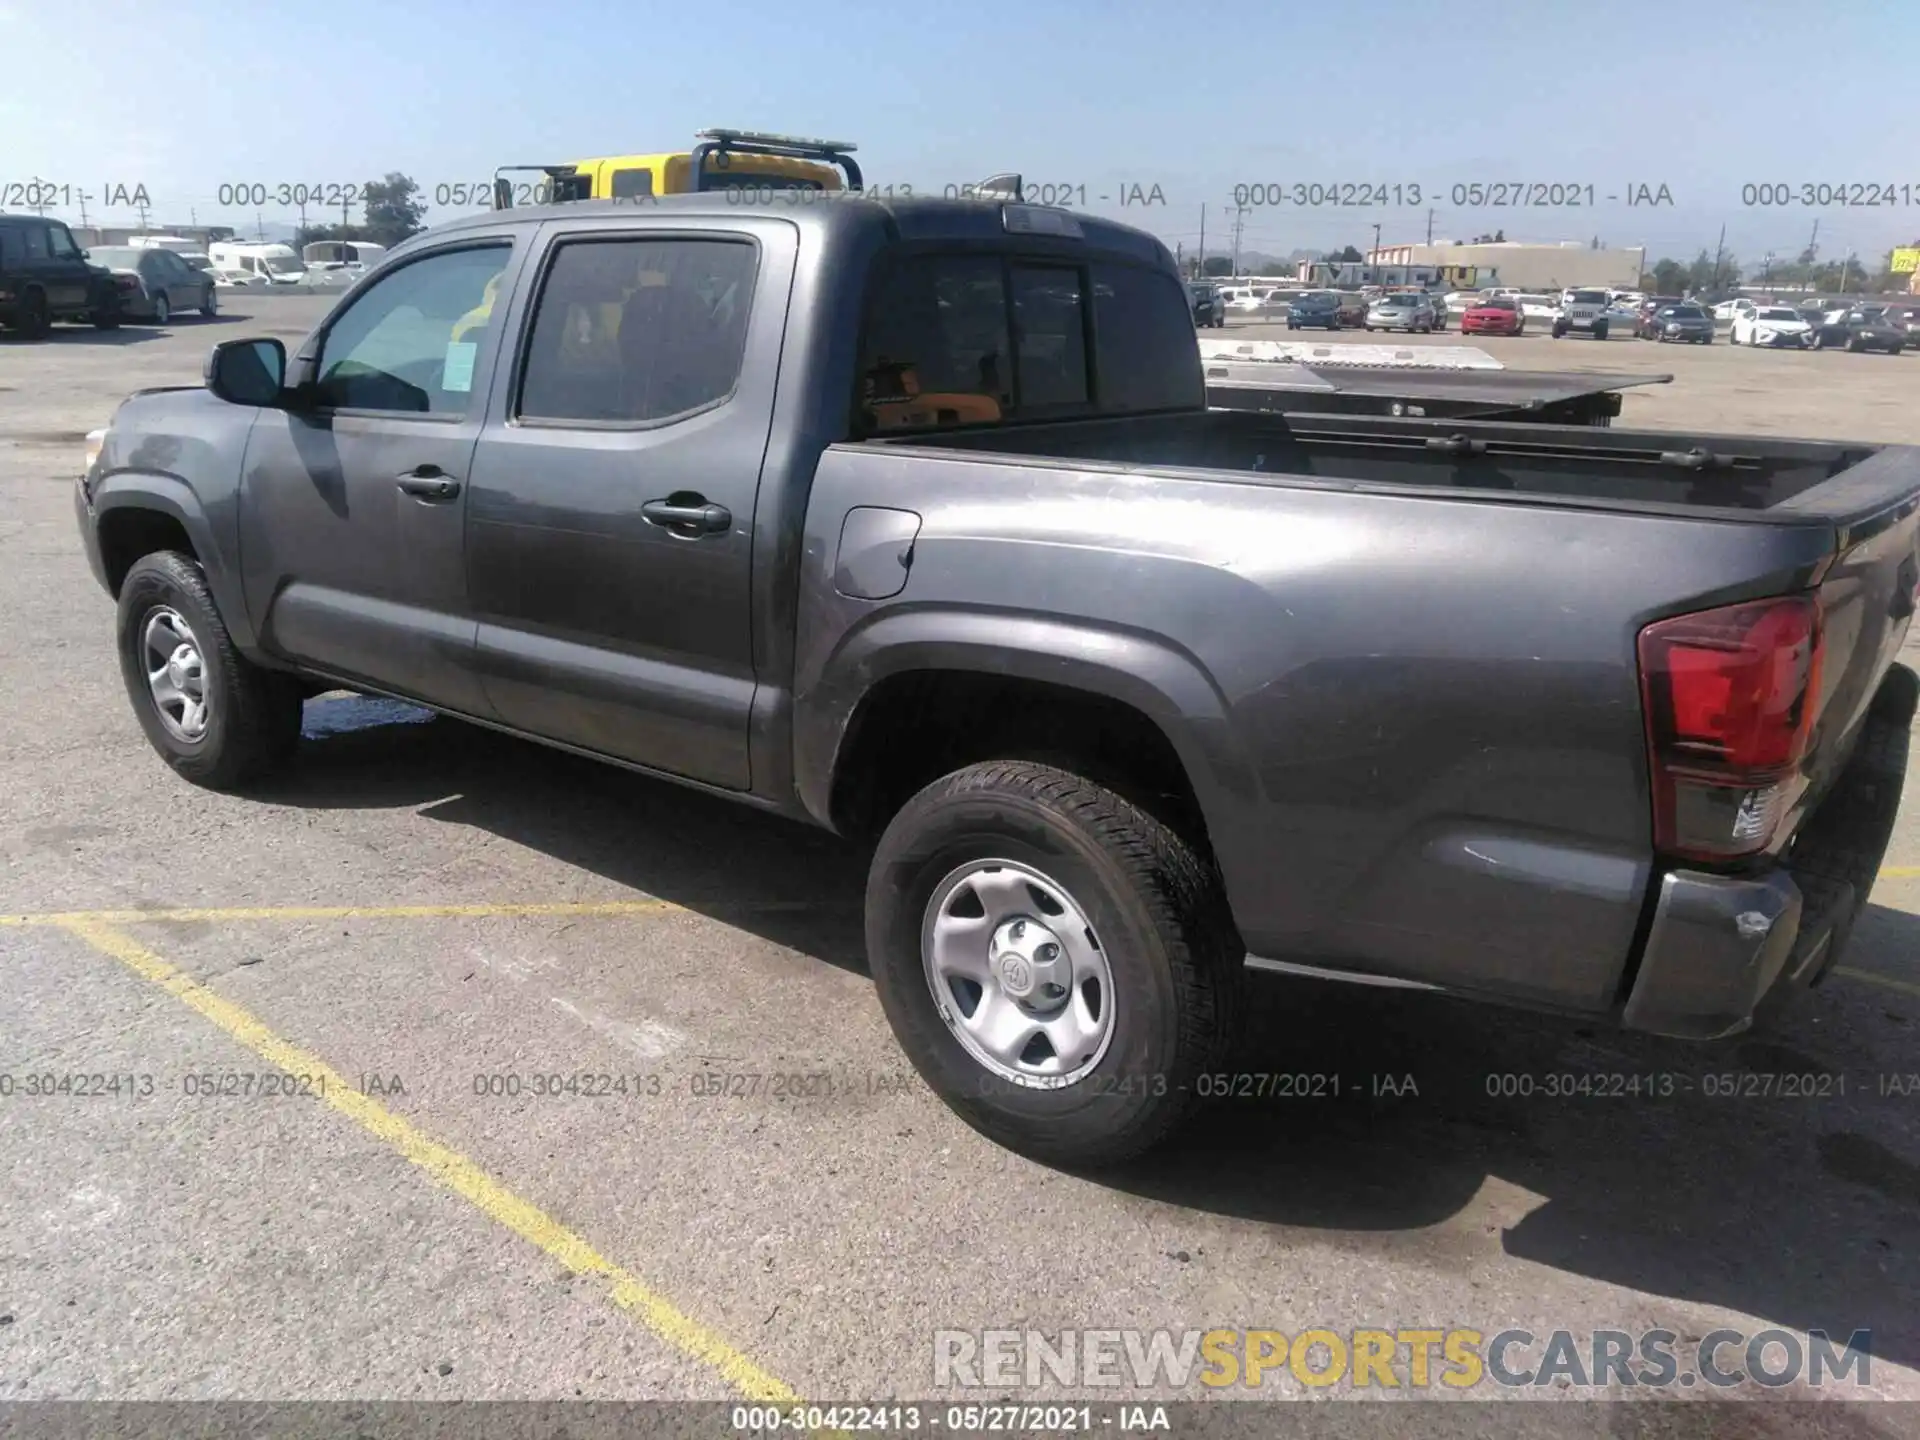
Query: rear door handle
pixel 688 515
pixel 429 482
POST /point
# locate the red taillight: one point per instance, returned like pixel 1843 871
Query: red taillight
pixel 126 284
pixel 1730 696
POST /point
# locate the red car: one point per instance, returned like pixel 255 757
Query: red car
pixel 1500 315
pixel 1353 308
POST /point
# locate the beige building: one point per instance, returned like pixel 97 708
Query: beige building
pixel 1521 265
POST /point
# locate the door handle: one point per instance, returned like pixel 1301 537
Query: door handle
pixel 688 514
pixel 429 482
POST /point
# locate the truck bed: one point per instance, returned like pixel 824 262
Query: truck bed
pixel 1766 478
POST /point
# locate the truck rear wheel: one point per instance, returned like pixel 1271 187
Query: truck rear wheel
pixel 214 716
pixel 1060 967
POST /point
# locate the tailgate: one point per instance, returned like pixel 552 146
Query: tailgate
pixel 1867 601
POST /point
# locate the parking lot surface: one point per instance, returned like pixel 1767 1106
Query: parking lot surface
pixel 536 1008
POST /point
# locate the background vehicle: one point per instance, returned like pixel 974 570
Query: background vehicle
pixel 270 264
pixel 1684 321
pixel 1498 315
pixel 1542 309
pixel 163 286
pixel 45 276
pixel 353 257
pixel 1400 312
pixel 1439 303
pixel 1583 310
pixel 720 160
pixel 1209 310
pixel 1314 310
pixel 1770 325
pixel 1353 308
pixel 228 279
pixel 1907 317
pixel 1249 300
pixel 181 245
pixel 872 616
pixel 1727 311
pixel 1861 328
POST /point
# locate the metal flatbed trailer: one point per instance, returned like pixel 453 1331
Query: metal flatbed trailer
pixel 1544 397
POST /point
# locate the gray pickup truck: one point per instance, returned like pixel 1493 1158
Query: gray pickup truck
pixel 910 519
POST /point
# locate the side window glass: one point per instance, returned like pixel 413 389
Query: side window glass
pixel 632 184
pixel 936 349
pixel 34 240
pixel 636 330
pixel 60 243
pixel 417 340
pixel 1051 335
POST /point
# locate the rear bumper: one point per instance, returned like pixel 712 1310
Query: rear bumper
pixel 1720 945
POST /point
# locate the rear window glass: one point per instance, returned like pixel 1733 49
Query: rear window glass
pixel 967 339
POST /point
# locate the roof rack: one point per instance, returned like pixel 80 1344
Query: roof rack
pixel 718 145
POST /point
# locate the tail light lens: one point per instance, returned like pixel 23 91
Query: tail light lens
pixel 126 284
pixel 1730 696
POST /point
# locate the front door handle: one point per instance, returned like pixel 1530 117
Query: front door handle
pixel 688 515
pixel 429 482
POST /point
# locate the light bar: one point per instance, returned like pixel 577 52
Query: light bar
pixel 1035 220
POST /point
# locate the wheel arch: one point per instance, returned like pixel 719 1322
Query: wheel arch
pixel 138 513
pixel 1149 712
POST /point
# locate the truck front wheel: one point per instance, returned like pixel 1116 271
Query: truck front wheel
pixel 214 716
pixel 1060 966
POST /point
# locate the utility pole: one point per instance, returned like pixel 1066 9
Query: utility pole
pixel 84 197
pixel 1239 219
pixel 1719 250
pixel 1429 227
pixel 1180 258
pixel 259 226
pixel 143 216
pixel 1203 242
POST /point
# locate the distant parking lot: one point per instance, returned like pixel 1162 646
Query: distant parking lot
pixel 505 980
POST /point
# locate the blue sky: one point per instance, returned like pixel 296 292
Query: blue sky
pixel 1195 98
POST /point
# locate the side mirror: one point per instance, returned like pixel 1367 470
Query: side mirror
pixel 248 372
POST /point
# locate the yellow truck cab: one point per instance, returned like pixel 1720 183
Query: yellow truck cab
pixel 720 160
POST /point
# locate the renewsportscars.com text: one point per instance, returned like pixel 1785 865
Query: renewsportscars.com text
pixel 1415 1358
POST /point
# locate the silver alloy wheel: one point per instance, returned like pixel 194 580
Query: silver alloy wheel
pixel 1018 974
pixel 176 674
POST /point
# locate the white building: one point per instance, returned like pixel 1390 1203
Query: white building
pixel 1517 263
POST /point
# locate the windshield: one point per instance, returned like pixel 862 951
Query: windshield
pixel 1316 299
pixel 1684 312
pixel 285 265
pixel 1498 302
pixel 1589 297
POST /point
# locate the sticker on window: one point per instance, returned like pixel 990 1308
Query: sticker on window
pixel 457 374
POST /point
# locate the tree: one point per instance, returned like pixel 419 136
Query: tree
pixel 394 210
pixel 1218 265
pixel 1668 277
pixel 1348 256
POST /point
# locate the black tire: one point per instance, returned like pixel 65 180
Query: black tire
pixel 1599 332
pixel 1177 965
pixel 211 306
pixel 106 315
pixel 32 319
pixel 162 309
pixel 253 723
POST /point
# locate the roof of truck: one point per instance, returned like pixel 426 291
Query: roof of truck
pixel 826 212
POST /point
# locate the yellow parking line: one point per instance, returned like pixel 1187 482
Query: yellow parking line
pixel 360 912
pixel 1905 987
pixel 449 1167
pixel 1899 872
